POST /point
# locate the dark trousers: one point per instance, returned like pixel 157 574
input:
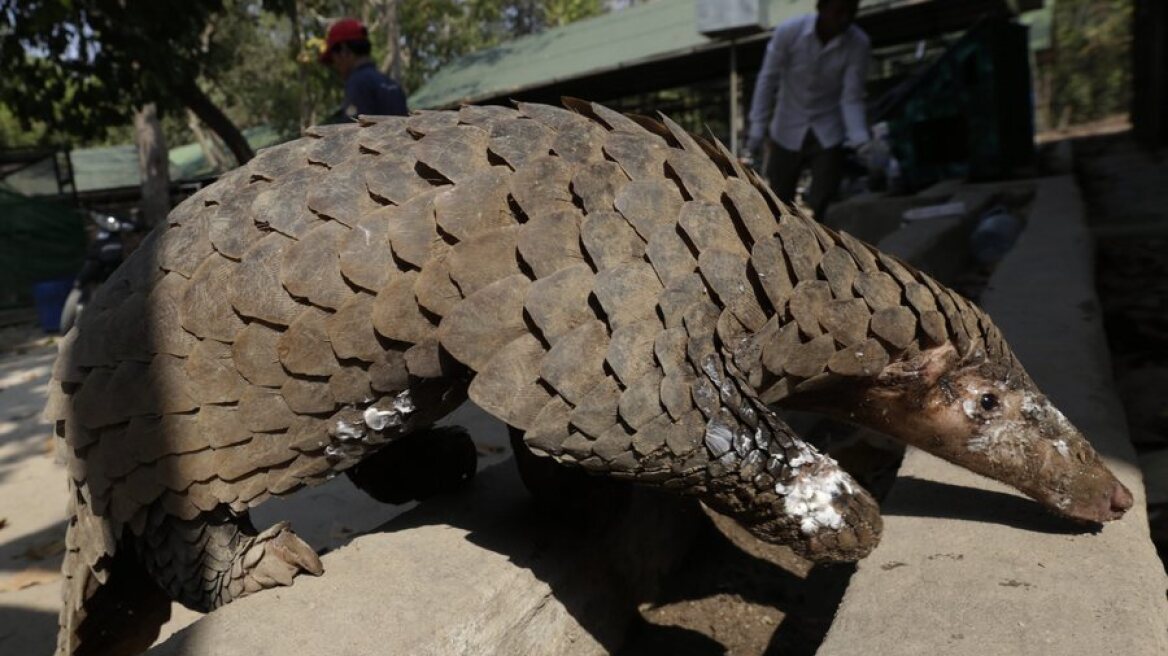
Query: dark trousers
pixel 784 166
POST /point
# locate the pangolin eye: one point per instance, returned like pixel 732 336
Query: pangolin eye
pixel 988 402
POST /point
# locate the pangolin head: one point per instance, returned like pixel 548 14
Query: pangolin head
pixel 987 415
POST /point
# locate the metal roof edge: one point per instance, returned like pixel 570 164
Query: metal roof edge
pixel 661 56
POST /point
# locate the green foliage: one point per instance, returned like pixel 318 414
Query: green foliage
pixel 263 55
pixel 15 135
pixel 435 32
pixel 263 73
pixel 81 66
pixel 1091 70
pixel 266 85
pixel 557 13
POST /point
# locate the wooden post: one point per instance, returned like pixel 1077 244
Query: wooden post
pixel 213 149
pixel 393 35
pixel 153 165
pixel 734 110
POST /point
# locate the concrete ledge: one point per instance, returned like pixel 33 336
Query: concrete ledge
pixel 874 217
pixel 480 572
pixel 940 247
pixel 968 566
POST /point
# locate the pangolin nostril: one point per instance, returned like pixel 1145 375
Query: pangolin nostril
pixel 1121 498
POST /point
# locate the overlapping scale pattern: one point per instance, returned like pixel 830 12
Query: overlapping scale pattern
pixel 586 267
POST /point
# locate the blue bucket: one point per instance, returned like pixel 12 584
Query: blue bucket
pixel 49 297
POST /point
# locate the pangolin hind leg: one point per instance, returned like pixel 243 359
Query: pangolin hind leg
pixel 219 556
pixel 417 466
pixel 121 614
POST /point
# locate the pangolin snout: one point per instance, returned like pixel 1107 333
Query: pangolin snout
pixel 1121 500
pixel 1108 504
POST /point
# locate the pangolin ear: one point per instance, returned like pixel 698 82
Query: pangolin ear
pixel 925 367
pixel 975 353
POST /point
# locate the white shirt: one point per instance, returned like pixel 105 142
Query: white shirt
pixel 815 86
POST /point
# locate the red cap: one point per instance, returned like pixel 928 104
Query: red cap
pixel 346 29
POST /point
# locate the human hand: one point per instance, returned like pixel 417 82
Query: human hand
pixel 872 154
pixel 754 148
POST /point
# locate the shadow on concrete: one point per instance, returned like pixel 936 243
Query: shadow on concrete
pixel 811 612
pixel 917 497
pixel 602 546
pixel 24 631
pixel 672 640
pixel 606 547
pixel 714 566
pixel 23 384
pixel 43 548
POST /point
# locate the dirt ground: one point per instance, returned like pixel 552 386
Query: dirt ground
pixel 1133 283
pixel 741 597
pixel 1125 189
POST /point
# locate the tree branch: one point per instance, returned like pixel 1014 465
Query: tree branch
pixel 214 118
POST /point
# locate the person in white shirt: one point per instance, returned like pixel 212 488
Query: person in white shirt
pixel 808 102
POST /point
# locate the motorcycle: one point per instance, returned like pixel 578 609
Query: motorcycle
pixel 112 243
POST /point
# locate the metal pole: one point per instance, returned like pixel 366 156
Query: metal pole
pixel 733 98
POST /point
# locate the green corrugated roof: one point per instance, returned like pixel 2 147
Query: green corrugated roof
pixel 114 167
pixel 107 167
pixel 641 33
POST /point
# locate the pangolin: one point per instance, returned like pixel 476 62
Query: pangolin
pixel 622 293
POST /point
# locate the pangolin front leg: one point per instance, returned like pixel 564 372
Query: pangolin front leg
pixel 218 557
pixel 726 448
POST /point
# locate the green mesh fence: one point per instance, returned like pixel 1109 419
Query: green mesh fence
pixel 39 240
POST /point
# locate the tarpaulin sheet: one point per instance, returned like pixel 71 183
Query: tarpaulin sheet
pixel 39 240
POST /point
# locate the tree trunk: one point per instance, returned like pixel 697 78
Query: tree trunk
pixel 307 117
pixel 392 62
pixel 214 118
pixel 153 165
pixel 211 145
pixel 523 18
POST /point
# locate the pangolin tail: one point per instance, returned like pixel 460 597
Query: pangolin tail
pixel 109 604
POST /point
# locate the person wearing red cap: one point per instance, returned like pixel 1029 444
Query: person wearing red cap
pixel 367 90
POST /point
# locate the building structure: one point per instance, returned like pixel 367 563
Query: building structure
pixel 652 57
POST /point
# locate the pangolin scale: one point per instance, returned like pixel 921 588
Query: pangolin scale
pixel 623 293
